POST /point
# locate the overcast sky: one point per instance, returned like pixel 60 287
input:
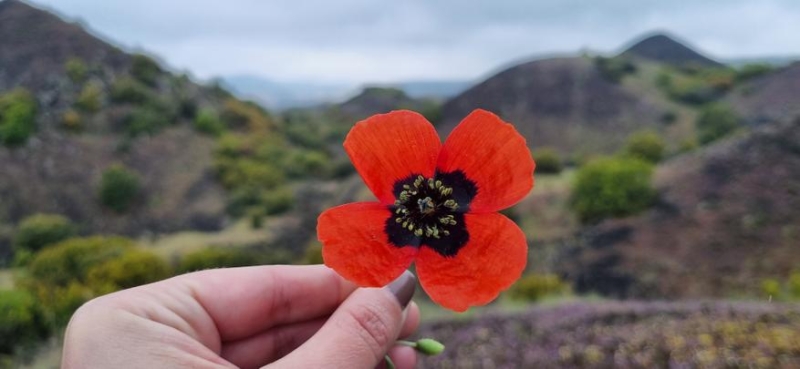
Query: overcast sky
pixel 355 41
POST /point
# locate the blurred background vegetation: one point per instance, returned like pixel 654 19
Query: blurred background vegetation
pixel 662 174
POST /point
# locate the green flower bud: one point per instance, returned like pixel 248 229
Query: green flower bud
pixel 429 346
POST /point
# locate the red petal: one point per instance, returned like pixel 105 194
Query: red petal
pixel 489 263
pixel 493 154
pixel 355 244
pixel 387 147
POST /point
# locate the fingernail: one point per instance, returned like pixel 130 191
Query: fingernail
pixel 403 288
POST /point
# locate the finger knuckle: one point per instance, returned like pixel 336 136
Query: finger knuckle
pixel 374 327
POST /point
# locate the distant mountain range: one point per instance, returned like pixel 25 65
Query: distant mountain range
pixel 283 95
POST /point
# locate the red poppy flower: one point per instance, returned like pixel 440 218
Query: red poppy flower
pixel 438 206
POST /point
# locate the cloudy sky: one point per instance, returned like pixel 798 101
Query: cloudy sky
pixel 355 41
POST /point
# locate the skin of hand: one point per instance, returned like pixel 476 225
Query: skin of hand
pixel 266 316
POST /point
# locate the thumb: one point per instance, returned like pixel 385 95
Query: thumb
pixel 360 331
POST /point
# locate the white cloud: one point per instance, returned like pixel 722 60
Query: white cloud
pixel 358 41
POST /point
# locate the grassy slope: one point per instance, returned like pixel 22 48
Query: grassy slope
pixel 643 83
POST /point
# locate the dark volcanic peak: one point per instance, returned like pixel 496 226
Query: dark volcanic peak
pixel 35 45
pixel 663 48
pixel 565 103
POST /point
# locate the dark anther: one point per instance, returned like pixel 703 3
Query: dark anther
pixel 430 212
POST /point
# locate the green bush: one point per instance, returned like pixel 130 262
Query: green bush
pixel 313 254
pixel 534 287
pixel 76 69
pixel 613 69
pixel 129 91
pixel 208 122
pixel 21 321
pixel 793 286
pixel 647 146
pixel 248 173
pixel 307 163
pixel 771 289
pixel 278 201
pixel 242 115
pixel 65 275
pixel 145 121
pixel 145 69
pixel 40 230
pixel 612 187
pixel 131 269
pixel 716 121
pixel 750 71
pixel 216 257
pixel 547 161
pixel 118 188
pixel 71 261
pixel 90 97
pixel 17 117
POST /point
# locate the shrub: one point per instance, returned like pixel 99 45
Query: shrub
pixel 547 161
pixel 130 91
pixel 89 98
pixel 750 71
pixel 208 122
pixel 771 288
pixel 145 120
pixel 313 254
pixel 613 69
pixel 278 201
pixel 133 268
pixel 71 120
pixel 21 320
pixel 793 286
pixel 669 117
pixel 216 257
pixel 145 69
pixel 40 230
pixel 612 187
pixel 17 117
pixel 647 146
pixel 76 69
pixel 534 287
pixel 241 173
pixel 307 163
pixel 70 261
pixel 118 188
pixel 714 122
pixel 242 115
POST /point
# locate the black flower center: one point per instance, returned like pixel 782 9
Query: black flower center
pixel 430 212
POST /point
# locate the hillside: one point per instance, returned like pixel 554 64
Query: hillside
pixel 35 58
pixel 727 219
pixel 566 103
pixel 664 49
pixel 98 106
pixel 770 98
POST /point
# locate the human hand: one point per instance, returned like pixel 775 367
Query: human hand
pixel 278 316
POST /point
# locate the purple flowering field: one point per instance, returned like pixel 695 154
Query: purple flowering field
pixel 624 335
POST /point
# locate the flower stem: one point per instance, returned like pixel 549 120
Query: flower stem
pixel 389 363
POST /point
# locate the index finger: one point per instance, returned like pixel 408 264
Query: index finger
pixel 246 301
